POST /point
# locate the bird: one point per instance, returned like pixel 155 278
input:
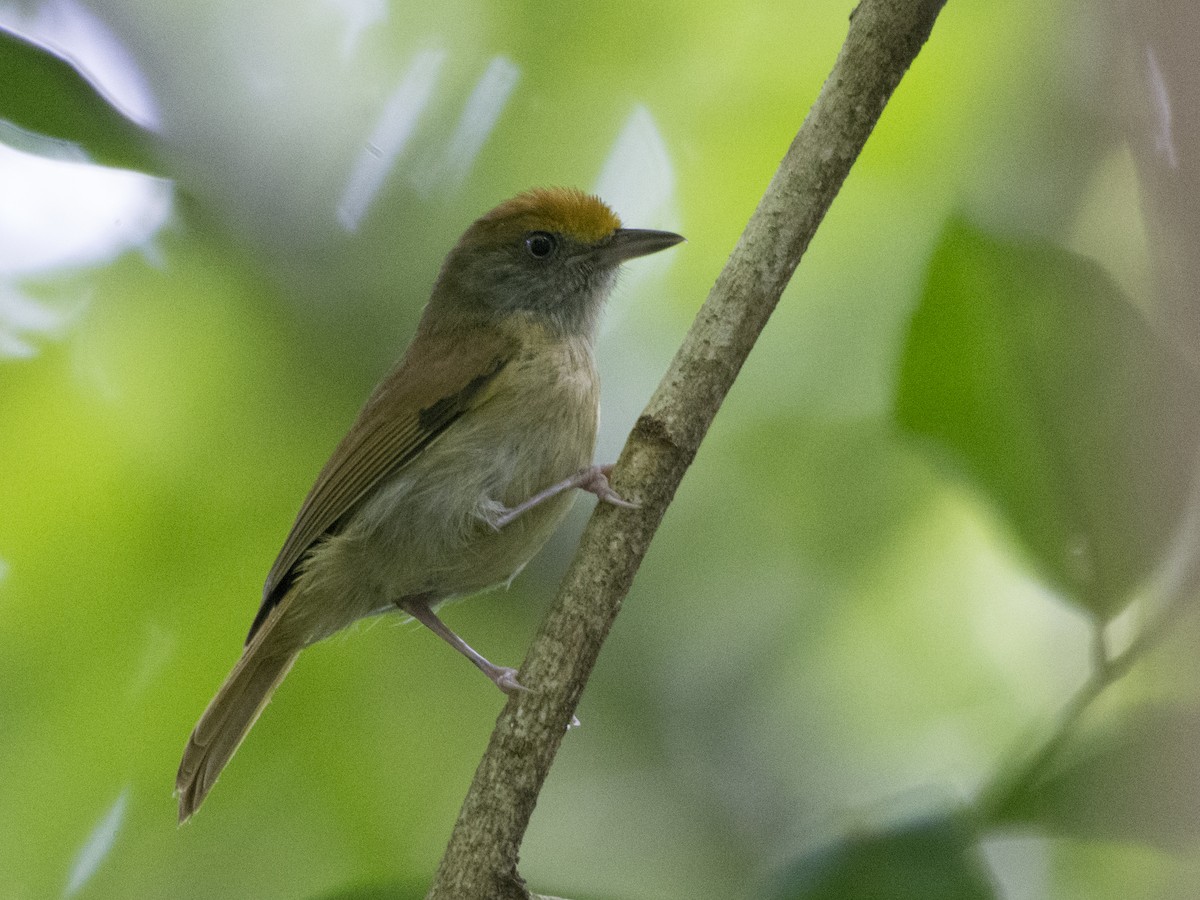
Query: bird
pixel 461 463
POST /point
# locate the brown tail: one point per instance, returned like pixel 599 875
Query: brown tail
pixel 229 716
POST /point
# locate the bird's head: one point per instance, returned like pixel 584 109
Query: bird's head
pixel 551 253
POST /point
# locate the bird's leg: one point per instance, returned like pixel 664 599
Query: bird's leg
pixel 503 677
pixel 593 479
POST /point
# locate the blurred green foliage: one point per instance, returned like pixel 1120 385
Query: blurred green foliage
pixel 1131 779
pixel 1074 415
pixel 387 890
pixel 847 643
pixel 929 860
pixel 45 95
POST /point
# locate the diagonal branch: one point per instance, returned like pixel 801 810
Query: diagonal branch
pixel 481 860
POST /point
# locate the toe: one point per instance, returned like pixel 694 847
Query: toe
pixel 506 679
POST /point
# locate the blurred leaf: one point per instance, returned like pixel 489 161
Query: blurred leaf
pixel 928 860
pixel 45 94
pixel 1030 365
pixel 379 890
pixel 1138 780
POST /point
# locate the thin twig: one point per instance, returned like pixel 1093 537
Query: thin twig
pixel 1179 586
pixel 481 860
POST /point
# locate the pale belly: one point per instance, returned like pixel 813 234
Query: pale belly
pixel 428 531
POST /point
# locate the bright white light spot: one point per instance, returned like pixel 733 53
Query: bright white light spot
pixel 638 180
pixel 395 127
pixel 62 212
pixel 1164 140
pixel 74 32
pixel 359 15
pixel 55 214
pixel 98 845
pixel 479 117
pixel 23 319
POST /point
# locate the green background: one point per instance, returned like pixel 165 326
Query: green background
pixel 965 438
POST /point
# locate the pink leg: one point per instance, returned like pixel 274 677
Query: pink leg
pixel 593 479
pixel 502 676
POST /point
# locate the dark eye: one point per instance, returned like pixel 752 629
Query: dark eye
pixel 540 244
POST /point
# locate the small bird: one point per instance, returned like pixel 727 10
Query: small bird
pixel 461 463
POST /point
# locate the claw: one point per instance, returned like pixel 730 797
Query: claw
pixel 505 678
pixel 597 484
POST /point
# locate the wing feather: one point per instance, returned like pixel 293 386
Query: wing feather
pixel 438 380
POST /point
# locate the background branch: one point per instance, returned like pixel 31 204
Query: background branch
pixel 481 859
pixel 1178 585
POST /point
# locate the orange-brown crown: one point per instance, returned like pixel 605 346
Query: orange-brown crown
pixel 568 211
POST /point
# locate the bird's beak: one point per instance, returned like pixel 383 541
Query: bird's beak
pixel 629 243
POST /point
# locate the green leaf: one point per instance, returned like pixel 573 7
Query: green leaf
pixel 928 860
pixel 1138 780
pixel 1032 368
pixel 44 94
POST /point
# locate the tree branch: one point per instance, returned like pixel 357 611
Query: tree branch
pixel 481 860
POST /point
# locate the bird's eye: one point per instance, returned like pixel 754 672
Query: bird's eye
pixel 540 244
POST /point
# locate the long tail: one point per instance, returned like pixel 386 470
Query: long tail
pixel 228 718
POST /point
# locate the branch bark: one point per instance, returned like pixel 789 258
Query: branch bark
pixel 480 862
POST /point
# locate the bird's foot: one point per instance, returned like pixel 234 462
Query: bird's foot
pixel 505 678
pixel 593 479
